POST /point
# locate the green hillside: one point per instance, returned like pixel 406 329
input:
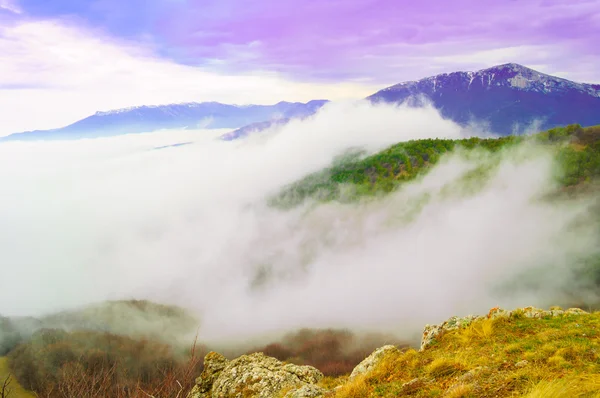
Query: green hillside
pixel 354 175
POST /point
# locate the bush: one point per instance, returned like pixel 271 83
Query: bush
pixel 55 363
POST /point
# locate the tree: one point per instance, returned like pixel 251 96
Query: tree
pixel 6 390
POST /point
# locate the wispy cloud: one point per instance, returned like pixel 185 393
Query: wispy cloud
pixel 10 5
pixel 55 73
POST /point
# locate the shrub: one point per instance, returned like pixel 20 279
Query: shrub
pixel 95 364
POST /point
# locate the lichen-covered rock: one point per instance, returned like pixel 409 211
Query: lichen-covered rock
pixel 471 374
pixel 414 385
pixel 372 360
pixel 431 332
pixel 254 375
pixel 521 364
pixel 214 363
pixel 307 391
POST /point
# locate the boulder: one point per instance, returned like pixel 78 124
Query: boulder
pixel 372 360
pixel 430 332
pixel 255 375
pixel 214 363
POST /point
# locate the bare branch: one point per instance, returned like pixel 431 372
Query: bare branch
pixel 6 390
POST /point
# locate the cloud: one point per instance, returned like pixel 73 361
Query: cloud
pixel 89 220
pixel 339 40
pixel 52 74
pixel 11 6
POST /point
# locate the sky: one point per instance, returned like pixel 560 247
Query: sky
pixel 61 60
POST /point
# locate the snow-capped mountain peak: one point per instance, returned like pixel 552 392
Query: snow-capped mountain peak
pixel 508 97
pixel 506 75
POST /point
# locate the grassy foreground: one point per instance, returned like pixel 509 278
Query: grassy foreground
pixel 507 357
pixel 14 389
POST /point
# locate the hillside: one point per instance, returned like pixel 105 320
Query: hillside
pixel 134 318
pixel 526 352
pixel 507 97
pixel 9 386
pixel 354 175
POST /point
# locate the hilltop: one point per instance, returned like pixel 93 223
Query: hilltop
pixel 526 352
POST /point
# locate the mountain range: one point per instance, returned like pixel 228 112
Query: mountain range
pixel 175 116
pixel 507 98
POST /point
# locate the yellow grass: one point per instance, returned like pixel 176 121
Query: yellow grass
pixel 516 357
pixel 16 391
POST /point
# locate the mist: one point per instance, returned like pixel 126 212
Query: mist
pixel 115 218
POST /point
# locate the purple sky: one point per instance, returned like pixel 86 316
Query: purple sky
pixel 383 40
pixel 296 49
pixel 380 41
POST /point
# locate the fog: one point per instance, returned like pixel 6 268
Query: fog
pixel 115 218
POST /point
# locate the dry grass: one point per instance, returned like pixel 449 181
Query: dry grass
pixel 12 389
pixel 56 364
pixel 496 358
pixel 357 388
pixel 563 388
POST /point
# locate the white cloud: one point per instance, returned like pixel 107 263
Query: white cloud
pixel 52 74
pixel 10 5
pixel 189 225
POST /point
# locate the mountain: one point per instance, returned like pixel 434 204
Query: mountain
pixel 508 97
pixel 253 128
pixel 189 115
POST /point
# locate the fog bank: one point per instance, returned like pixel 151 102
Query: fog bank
pixel 114 218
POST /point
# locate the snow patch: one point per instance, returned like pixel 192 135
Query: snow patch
pixel 519 81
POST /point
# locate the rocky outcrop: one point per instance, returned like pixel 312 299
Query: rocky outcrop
pixel 370 362
pixel 214 363
pixel 431 332
pixel 255 375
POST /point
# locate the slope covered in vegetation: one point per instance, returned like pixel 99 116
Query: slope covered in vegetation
pixel 550 356
pixel 354 175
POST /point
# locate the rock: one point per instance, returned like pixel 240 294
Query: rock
pixel 470 375
pixel 431 332
pixel 214 363
pixel 372 360
pixel 521 364
pixel 306 391
pixel 255 375
pixel 576 311
pixel 414 385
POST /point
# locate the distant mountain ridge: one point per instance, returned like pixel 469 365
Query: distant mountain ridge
pixel 508 97
pixel 191 115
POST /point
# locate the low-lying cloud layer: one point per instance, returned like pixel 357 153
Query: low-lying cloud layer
pixel 111 218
